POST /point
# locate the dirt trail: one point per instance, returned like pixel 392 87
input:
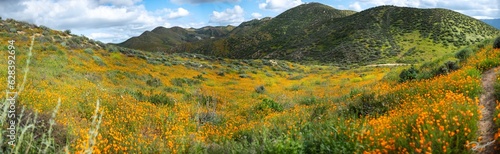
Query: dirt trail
pixel 487 99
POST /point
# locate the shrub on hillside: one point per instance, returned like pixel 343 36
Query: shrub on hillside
pixel 268 104
pixel 366 104
pixel 464 53
pixel 408 74
pixel 496 45
pixel 161 99
pixel 154 82
pixel 260 89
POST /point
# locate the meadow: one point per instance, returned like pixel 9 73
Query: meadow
pixel 91 97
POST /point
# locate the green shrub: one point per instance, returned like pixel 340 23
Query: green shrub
pixel 244 76
pixel 496 45
pixel 308 100
pixel 220 73
pixel 487 64
pixel 408 74
pixel 161 99
pixel 296 77
pixel 98 60
pixel 318 112
pixel 366 104
pixel 464 53
pixel 89 51
pixel 268 104
pixel 260 89
pixel 184 81
pixel 154 82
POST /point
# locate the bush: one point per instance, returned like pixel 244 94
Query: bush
pixel 367 104
pixel 89 51
pixel 260 89
pixel 408 74
pixel 182 81
pixel 268 104
pixel 155 82
pixel 487 64
pixel 296 77
pixel 161 99
pixel 496 45
pixel 99 61
pixel 446 68
pixel 464 53
pixel 244 76
pixel 308 100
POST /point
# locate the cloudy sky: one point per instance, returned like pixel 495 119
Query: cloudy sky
pixel 117 20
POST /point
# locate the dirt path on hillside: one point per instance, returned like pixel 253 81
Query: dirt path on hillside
pixel 486 124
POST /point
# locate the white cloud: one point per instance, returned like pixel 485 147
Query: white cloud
pixel 101 35
pixel 229 16
pixel 201 1
pixel 180 12
pixel 279 5
pixel 355 6
pixel 256 15
pixel 475 8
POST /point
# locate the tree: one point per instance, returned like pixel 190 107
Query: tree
pixel 408 74
pixel 496 45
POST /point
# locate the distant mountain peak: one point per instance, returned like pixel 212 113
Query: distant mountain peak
pixel 314 31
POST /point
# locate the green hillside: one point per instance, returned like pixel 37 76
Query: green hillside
pixel 384 34
pixel 161 38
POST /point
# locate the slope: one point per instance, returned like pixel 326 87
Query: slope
pixel 382 34
pixel 192 103
pixel 162 39
pixel 493 22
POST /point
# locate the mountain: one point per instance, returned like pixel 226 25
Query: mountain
pixel 161 38
pixel 493 22
pixel 319 32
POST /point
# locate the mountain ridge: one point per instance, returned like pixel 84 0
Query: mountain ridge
pixel 161 38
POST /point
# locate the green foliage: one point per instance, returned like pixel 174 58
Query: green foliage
pixel 496 86
pixel 268 104
pixel 496 45
pixel 379 33
pixel 308 100
pixel 464 53
pixel 296 77
pixel 487 64
pixel 260 89
pixel 366 104
pixel 98 60
pixel 161 99
pixel 184 81
pixel 285 145
pixel 89 51
pixel 408 74
pixel 154 82
pixel 244 76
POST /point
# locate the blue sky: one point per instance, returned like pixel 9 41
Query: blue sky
pixel 117 20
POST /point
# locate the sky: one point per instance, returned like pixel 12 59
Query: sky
pixel 114 21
